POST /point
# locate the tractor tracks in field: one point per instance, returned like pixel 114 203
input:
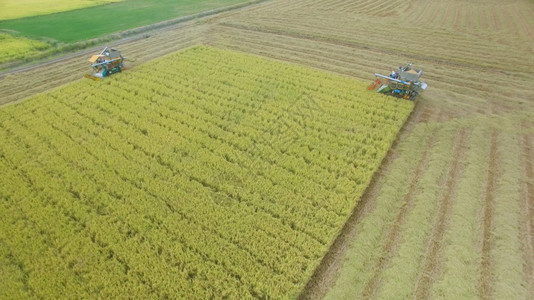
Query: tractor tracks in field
pixel 432 262
pixel 525 26
pixel 486 276
pixel 326 273
pixel 393 235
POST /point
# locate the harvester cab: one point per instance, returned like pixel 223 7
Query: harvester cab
pixel 109 61
pixel 405 83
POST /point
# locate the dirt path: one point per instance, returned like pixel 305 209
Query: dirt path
pixel 432 261
pixel 486 277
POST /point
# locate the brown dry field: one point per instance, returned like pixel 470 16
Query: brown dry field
pixel 461 174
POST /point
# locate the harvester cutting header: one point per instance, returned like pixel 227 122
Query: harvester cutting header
pixel 403 84
pixel 109 61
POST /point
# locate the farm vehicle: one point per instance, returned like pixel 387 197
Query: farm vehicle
pixel 109 61
pixel 404 83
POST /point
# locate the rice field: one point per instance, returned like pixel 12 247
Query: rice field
pixel 13 48
pixel 206 173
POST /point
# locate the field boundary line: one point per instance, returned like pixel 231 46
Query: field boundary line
pixel 486 280
pixel 326 272
pixel 431 260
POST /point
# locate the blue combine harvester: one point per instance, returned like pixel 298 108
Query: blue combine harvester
pixel 109 61
pixel 403 84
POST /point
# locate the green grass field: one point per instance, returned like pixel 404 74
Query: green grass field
pixel 83 24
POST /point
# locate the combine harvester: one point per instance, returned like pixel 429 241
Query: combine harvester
pixel 403 84
pixel 109 61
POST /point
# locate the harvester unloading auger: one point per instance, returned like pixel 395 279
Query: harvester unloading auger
pixel 403 84
pixel 109 61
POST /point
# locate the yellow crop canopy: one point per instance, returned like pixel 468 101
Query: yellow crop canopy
pixel 94 58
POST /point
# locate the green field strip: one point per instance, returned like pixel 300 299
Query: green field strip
pixel 92 22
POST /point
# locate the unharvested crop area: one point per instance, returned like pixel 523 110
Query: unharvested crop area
pixel 206 173
pixel 451 212
pixel 13 48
